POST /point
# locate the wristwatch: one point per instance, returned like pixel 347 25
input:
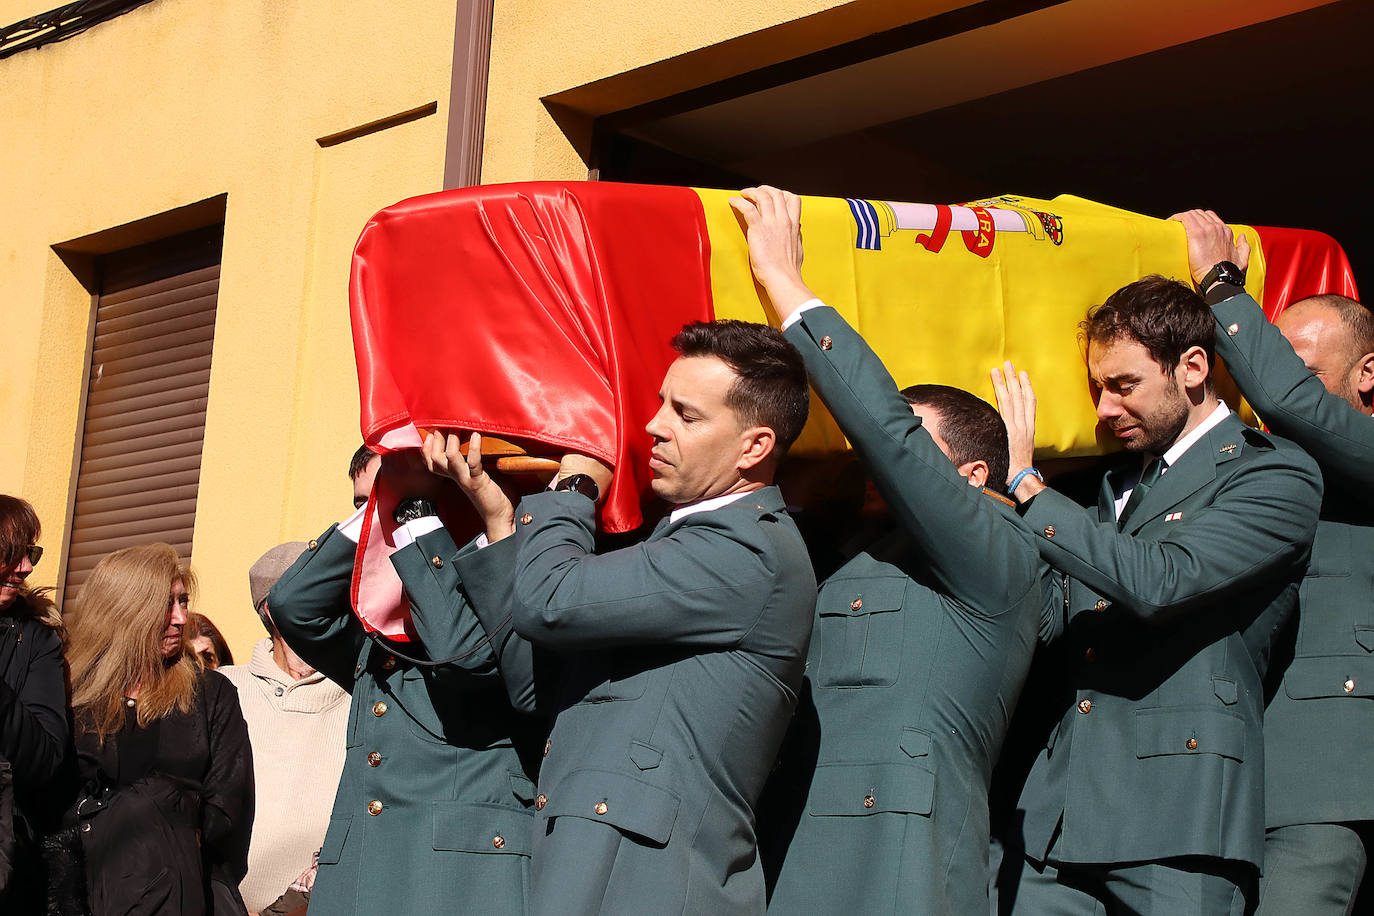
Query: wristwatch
pixel 413 507
pixel 1222 272
pixel 582 483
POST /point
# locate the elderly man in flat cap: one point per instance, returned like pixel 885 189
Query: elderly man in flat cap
pixel 297 720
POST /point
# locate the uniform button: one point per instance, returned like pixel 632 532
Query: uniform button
pixel 499 842
pixel 311 544
pixel 1049 531
pixel 1101 604
pixel 1349 684
pixel 379 708
pixel 280 691
pixel 358 670
pixel 438 562
pixel 1191 744
pixel 1233 329
pixel 600 808
pixel 548 745
pixel 374 759
pixel 1085 706
pixel 526 519
pixel 389 663
pixel 374 807
pixel 540 801
pixel 86 828
pixel 856 604
pixel 869 801
pixel 1090 655
pixel 826 342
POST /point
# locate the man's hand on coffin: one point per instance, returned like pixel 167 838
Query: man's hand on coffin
pixel 1211 241
pixel 772 225
pixel 444 457
pixel 596 469
pixel 1016 402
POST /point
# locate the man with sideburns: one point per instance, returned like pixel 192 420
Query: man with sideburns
pixel 1147 797
pixel 919 649
pixel 678 659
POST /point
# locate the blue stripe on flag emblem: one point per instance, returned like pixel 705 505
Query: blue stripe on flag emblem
pixel 866 218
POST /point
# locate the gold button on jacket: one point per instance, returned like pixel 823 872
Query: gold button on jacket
pixel 374 807
pixel 1191 744
pixel 1085 706
pixel 600 808
pixel 374 759
pixel 540 802
pixel 379 708
pixel 526 519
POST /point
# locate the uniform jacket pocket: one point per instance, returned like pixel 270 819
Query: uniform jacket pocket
pixel 859 633
pixel 631 805
pixel 1172 730
pixel 334 837
pixel 490 829
pixel 860 790
pixel 1334 676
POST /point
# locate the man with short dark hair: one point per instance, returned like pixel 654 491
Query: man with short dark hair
pixel 1148 794
pixel 362 470
pixel 1310 376
pixel 920 644
pixel 433 800
pixel 681 656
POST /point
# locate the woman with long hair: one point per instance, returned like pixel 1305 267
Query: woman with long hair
pixel 34 726
pixel 166 773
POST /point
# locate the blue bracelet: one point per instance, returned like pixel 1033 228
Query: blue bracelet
pixel 1022 475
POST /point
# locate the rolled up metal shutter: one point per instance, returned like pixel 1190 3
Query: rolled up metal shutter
pixel 144 416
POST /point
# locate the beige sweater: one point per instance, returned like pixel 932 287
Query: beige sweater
pixel 298 729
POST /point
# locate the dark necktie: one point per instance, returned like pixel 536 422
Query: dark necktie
pixel 1152 474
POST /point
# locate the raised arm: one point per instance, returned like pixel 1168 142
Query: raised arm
pixel 947 519
pixel 310 605
pixel 703 586
pixel 1259 525
pixel 1292 401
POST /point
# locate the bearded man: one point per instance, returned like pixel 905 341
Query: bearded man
pixel 1148 795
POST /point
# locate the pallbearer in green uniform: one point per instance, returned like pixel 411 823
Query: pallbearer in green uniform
pixel 921 641
pixel 681 656
pixel 1148 796
pixel 435 806
pixel 1311 379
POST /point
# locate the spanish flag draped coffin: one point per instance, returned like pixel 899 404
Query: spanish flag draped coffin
pixel 543 312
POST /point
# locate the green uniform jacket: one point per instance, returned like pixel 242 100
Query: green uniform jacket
pixel 434 803
pixel 1159 751
pixel 920 647
pixel 681 661
pixel 1319 727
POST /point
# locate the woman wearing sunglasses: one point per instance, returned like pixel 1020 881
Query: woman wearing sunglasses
pixel 34 733
pixel 166 775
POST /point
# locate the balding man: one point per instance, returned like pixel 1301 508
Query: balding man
pixel 1311 379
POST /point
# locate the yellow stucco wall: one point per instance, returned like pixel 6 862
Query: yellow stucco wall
pixel 625 52
pixel 177 102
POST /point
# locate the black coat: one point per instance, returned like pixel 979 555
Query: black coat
pixel 148 793
pixel 35 739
